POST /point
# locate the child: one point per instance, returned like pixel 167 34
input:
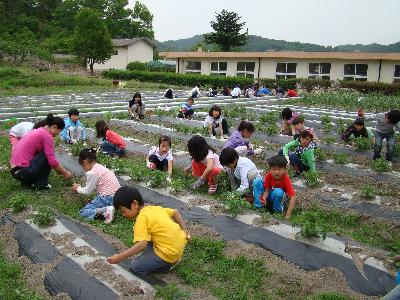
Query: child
pixel 18 131
pixel 186 110
pixel 386 124
pixel 160 157
pixel 292 93
pixel 169 94
pixel 195 92
pixel 205 163
pixel 103 180
pixel 357 129
pixel 278 91
pixel 136 107
pixel 214 120
pixel 159 232
pixel 241 170
pixel 236 92
pixel 213 92
pixel 33 157
pixel 302 158
pixel 226 91
pixel 276 185
pixel 238 139
pixel 264 91
pixel 73 131
pixel 112 143
pixel 298 124
pixel 249 92
pixel 288 117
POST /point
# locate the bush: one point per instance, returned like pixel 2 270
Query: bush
pixel 18 202
pixel 177 79
pixel 44 216
pixel 372 87
pixel 362 143
pixel 137 66
pixel 380 165
pixel 340 158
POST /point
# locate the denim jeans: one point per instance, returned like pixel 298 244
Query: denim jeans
pixel 161 165
pixel 37 173
pixel 89 211
pixel 393 294
pixel 111 149
pixel 149 262
pixel 295 161
pixel 379 137
pixel 275 201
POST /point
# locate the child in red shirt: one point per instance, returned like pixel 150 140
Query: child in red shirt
pixel 112 143
pixel 276 185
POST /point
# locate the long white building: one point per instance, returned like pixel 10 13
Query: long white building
pixel 359 66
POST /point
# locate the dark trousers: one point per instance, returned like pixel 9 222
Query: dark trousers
pixel 225 128
pixel 111 149
pixel 37 173
pixel 160 165
pixel 184 115
pixel 295 161
pixel 379 137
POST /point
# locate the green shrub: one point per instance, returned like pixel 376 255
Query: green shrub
pixel 340 158
pixel 380 165
pixel 372 87
pixel 368 192
pixel 311 179
pixel 283 83
pixel 177 79
pixel 18 202
pixel 310 229
pixel 44 216
pixel 7 73
pixel 362 143
pixel 178 184
pixel 157 178
pixel 137 66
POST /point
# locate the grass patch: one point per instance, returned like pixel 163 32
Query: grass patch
pixel 171 292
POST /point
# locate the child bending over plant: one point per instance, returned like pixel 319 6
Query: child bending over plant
pixel 112 143
pixel 357 129
pixel 276 187
pixel 159 232
pixel 205 164
pixel 241 171
pixel 288 117
pixel 301 156
pixel 103 180
pixel 239 139
pixel 186 110
pixel 215 120
pixel 160 157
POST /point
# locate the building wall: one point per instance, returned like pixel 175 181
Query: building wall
pixel 116 61
pixel 268 67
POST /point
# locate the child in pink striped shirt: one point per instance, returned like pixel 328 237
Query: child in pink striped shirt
pixel 103 180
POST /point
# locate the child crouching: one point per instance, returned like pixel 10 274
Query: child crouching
pixel 239 139
pixel 103 180
pixel 205 163
pixel 271 193
pixel 112 143
pixel 159 232
pixel 160 157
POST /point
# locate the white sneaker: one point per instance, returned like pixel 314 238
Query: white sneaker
pixel 258 151
pixel 109 214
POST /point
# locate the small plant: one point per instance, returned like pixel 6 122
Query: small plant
pixel 311 179
pixel 236 112
pixel 329 140
pixel 325 119
pixel 310 229
pixel 107 116
pixel 76 148
pixel 178 184
pixel 320 154
pixel 362 143
pixel 380 165
pixel 18 202
pixel 44 216
pixel 368 192
pixel 272 129
pixel 235 202
pixel 270 117
pixel 171 292
pixel 341 125
pixel 327 127
pixel 157 178
pixel 340 158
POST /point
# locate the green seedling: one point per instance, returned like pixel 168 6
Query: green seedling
pixel 320 154
pixel 44 216
pixel 368 192
pixel 270 117
pixel 380 165
pixel 157 178
pixel 107 116
pixel 342 125
pixel 310 229
pixel 171 292
pixel 340 158
pixel 328 127
pixel 178 184
pixel 18 202
pixel 272 129
pixel 329 140
pixel 236 112
pixel 362 143
pixel 311 179
pixel 235 203
pixel 325 119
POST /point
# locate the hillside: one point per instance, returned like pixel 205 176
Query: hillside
pixel 258 43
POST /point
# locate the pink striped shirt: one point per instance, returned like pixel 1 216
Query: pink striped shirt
pixel 101 178
pixel 32 143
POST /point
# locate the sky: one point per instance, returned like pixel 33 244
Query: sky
pixel 324 22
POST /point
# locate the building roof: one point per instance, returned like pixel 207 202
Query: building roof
pixel 127 42
pixel 283 54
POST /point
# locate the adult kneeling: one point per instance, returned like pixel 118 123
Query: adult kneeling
pixel 34 157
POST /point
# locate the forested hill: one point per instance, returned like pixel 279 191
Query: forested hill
pixel 257 43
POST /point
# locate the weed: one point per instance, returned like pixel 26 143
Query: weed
pixel 224 184
pixel 368 192
pixel 325 119
pixel 44 216
pixel 178 184
pixel 320 154
pixel 107 116
pixel 311 179
pixel 329 140
pixel 18 202
pixel 327 127
pixel 272 129
pixel 235 202
pixel 76 148
pixel 340 158
pixel 310 229
pixel 380 165
pixel 171 292
pixel 362 143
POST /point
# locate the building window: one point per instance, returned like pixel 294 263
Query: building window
pixel 319 71
pixel 355 72
pixel 193 67
pixel 218 68
pixel 396 74
pixel 245 69
pixel 285 70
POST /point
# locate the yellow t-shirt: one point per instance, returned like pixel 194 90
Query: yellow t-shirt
pixel 154 224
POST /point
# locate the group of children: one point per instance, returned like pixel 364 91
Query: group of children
pixel 160 233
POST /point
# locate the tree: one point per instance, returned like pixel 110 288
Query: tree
pixel 142 22
pixel 92 40
pixel 227 31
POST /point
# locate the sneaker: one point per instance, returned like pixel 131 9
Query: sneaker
pixel 258 151
pixel 212 189
pixel 109 214
pixel 41 187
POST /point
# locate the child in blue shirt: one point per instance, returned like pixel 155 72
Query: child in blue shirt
pixel 73 131
pixel 186 110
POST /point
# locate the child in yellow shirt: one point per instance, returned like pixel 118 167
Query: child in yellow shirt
pixel 159 232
